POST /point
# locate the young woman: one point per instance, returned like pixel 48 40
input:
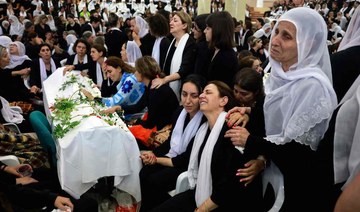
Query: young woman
pixel 251 62
pixel 165 163
pixel 214 162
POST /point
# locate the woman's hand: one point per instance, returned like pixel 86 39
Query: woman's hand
pixel 64 204
pixel 157 82
pixel 24 72
pixel 111 110
pixel 251 170
pixel 238 136
pixel 68 68
pixel 14 170
pixel 148 158
pixel 34 89
pixel 241 110
pixel 236 119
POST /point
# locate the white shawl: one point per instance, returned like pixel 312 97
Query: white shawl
pixel 10 115
pixel 352 34
pixel 200 174
pixel 16 60
pixel 156 49
pixel 176 62
pixel 43 75
pixel 180 138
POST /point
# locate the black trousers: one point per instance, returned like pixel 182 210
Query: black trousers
pixel 182 202
pixel 156 181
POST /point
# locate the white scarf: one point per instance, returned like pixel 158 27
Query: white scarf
pixel 10 115
pixel 352 34
pixel 99 75
pixel 16 60
pixel 156 49
pixel 180 138
pixel 43 74
pixel 92 29
pixel 200 174
pixel 347 136
pixel 76 61
pixel 176 62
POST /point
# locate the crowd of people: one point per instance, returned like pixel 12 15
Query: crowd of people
pixel 221 98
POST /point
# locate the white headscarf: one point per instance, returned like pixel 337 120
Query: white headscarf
pixel 352 34
pixel 16 28
pixel 299 103
pixel 71 39
pixel 133 52
pixel 5 41
pixel 10 115
pixel 347 136
pixel 16 60
pixel 142 25
pixel 43 74
pixel 262 32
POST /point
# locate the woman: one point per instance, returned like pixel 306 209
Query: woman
pixel 298 106
pixel 81 59
pixel 16 27
pixel 256 48
pixel 201 49
pixel 141 35
pixel 19 69
pixel 96 69
pixel 42 68
pixel 161 103
pixel 129 90
pixel 130 52
pixel 219 33
pixel 159 28
pixel 251 62
pixel 214 162
pixel 166 162
pixel 180 57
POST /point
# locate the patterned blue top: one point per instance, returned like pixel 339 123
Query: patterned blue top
pixel 129 91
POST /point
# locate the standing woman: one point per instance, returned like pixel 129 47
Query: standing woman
pixel 42 68
pixel 298 106
pixel 141 35
pixel 159 28
pixel 219 33
pixel 214 162
pixel 180 57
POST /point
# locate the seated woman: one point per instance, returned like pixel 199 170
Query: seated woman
pixel 161 103
pixel 80 60
pixel 214 162
pixel 167 161
pixel 129 90
pixel 19 70
pixel 42 68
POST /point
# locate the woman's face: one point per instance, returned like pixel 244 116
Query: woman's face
pixel 14 49
pixel 45 53
pixel 123 53
pixel 210 99
pixel 5 58
pixel 138 76
pixel 208 33
pixel 81 49
pixel 257 66
pixel 95 55
pixel 197 32
pixel 190 98
pixel 176 25
pixel 133 26
pixel 244 97
pixel 283 44
pixel 113 73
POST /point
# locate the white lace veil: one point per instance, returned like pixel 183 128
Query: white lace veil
pixel 299 103
pixel 143 26
pixel 352 34
pixel 133 52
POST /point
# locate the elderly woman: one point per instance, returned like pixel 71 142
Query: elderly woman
pixel 298 106
pixel 214 162
pixel 19 69
pixel 180 57
pixel 141 35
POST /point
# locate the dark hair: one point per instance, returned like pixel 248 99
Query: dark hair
pixel 28 24
pixel 261 21
pixel 243 53
pixel 248 25
pixel 225 90
pixel 116 62
pixel 113 20
pixel 81 40
pixel 147 67
pixel 249 79
pixel 32 35
pixel 158 25
pixel 222 27
pixel 164 13
pixel 94 19
pixel 247 62
pixel 99 48
pixel 42 45
pixel 198 80
pixel 70 15
pixel 200 22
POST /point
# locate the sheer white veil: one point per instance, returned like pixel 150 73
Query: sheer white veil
pixel 299 103
pixel 352 34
